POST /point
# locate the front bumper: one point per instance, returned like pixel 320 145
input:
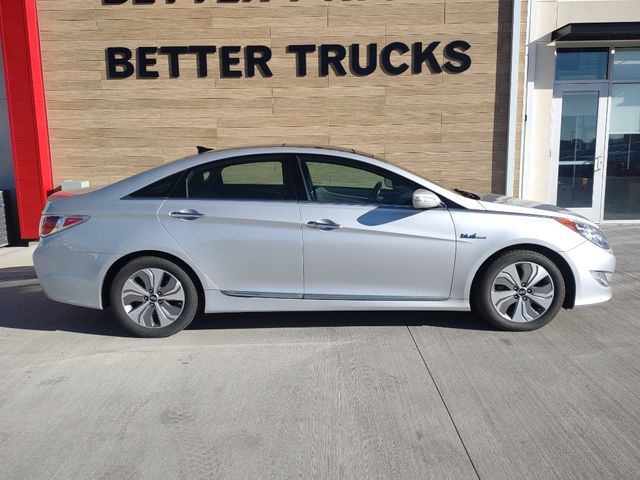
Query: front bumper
pixel 587 258
pixel 69 276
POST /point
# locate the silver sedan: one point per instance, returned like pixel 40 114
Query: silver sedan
pixel 295 229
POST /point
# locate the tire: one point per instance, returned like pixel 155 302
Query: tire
pixel 154 313
pixel 527 307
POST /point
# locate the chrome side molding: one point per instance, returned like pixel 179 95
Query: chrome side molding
pixel 323 296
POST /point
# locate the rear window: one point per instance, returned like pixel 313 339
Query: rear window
pixel 160 189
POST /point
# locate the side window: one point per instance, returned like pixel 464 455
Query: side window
pixel 249 180
pixel 332 175
pixel 160 189
pixel 345 181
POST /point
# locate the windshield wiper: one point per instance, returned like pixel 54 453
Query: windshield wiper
pixel 470 195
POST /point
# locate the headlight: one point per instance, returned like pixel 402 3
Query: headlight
pixel 590 232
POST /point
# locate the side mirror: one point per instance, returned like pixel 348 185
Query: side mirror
pixel 424 199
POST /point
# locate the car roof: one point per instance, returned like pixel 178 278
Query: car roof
pixel 276 147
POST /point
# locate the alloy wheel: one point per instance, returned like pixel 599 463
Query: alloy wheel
pixel 153 297
pixel 522 292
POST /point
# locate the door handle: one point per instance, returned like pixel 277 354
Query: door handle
pixel 323 224
pixel 187 214
pixel 599 163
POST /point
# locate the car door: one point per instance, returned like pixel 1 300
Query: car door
pixel 239 221
pixel 363 239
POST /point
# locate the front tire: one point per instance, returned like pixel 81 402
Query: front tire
pixel 153 297
pixel 520 290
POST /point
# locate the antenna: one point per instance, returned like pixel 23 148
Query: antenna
pixel 202 149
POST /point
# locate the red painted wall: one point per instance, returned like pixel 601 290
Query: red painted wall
pixel 27 110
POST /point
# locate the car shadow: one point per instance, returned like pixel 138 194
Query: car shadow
pixel 23 305
pixel 383 215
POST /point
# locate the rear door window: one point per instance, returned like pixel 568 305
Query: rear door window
pixel 251 179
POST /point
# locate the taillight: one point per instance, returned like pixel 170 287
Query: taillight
pixel 55 223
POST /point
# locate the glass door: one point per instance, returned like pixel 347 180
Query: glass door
pixel 579 133
pixel 622 190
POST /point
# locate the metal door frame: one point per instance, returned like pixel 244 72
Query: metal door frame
pixel 595 212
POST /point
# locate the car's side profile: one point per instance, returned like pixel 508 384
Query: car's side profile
pixel 299 228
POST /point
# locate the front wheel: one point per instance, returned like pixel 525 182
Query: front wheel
pixel 520 290
pixel 153 297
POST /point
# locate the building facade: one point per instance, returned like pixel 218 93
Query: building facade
pixel 581 147
pixel 470 94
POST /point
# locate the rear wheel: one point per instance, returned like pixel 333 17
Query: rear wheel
pixel 153 297
pixel 520 290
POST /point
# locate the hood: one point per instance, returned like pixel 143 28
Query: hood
pixel 501 203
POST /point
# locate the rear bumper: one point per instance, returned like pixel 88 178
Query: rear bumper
pixel 585 259
pixel 69 276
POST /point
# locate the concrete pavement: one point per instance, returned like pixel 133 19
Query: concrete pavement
pixel 337 395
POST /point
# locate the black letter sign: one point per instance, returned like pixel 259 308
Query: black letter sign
pixel 332 55
pixel 301 57
pixel 257 56
pixel 385 58
pixel 226 61
pixel 421 56
pixel 119 57
pixel 144 62
pixel 453 51
pixel 201 52
pixel 354 60
pixel 174 59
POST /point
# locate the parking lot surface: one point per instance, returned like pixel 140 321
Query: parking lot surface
pixel 385 395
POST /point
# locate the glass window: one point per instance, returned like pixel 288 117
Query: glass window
pixel 582 63
pixel 577 149
pixel 625 109
pixel 338 181
pixel 160 189
pixel 256 180
pixel 626 64
pixel 622 196
pixel 343 176
pixel 258 173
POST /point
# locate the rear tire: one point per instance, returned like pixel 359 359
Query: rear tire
pixel 520 290
pixel 153 297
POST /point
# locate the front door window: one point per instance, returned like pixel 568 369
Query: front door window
pixel 337 181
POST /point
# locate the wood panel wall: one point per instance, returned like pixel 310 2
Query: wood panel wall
pixel 450 128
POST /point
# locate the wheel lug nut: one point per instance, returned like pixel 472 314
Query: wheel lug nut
pixel 524 298
pixel 160 301
pixel 516 297
pixel 524 284
pixel 529 291
pixel 146 298
pixel 515 288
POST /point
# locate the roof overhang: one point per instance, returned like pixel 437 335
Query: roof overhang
pixel 605 31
